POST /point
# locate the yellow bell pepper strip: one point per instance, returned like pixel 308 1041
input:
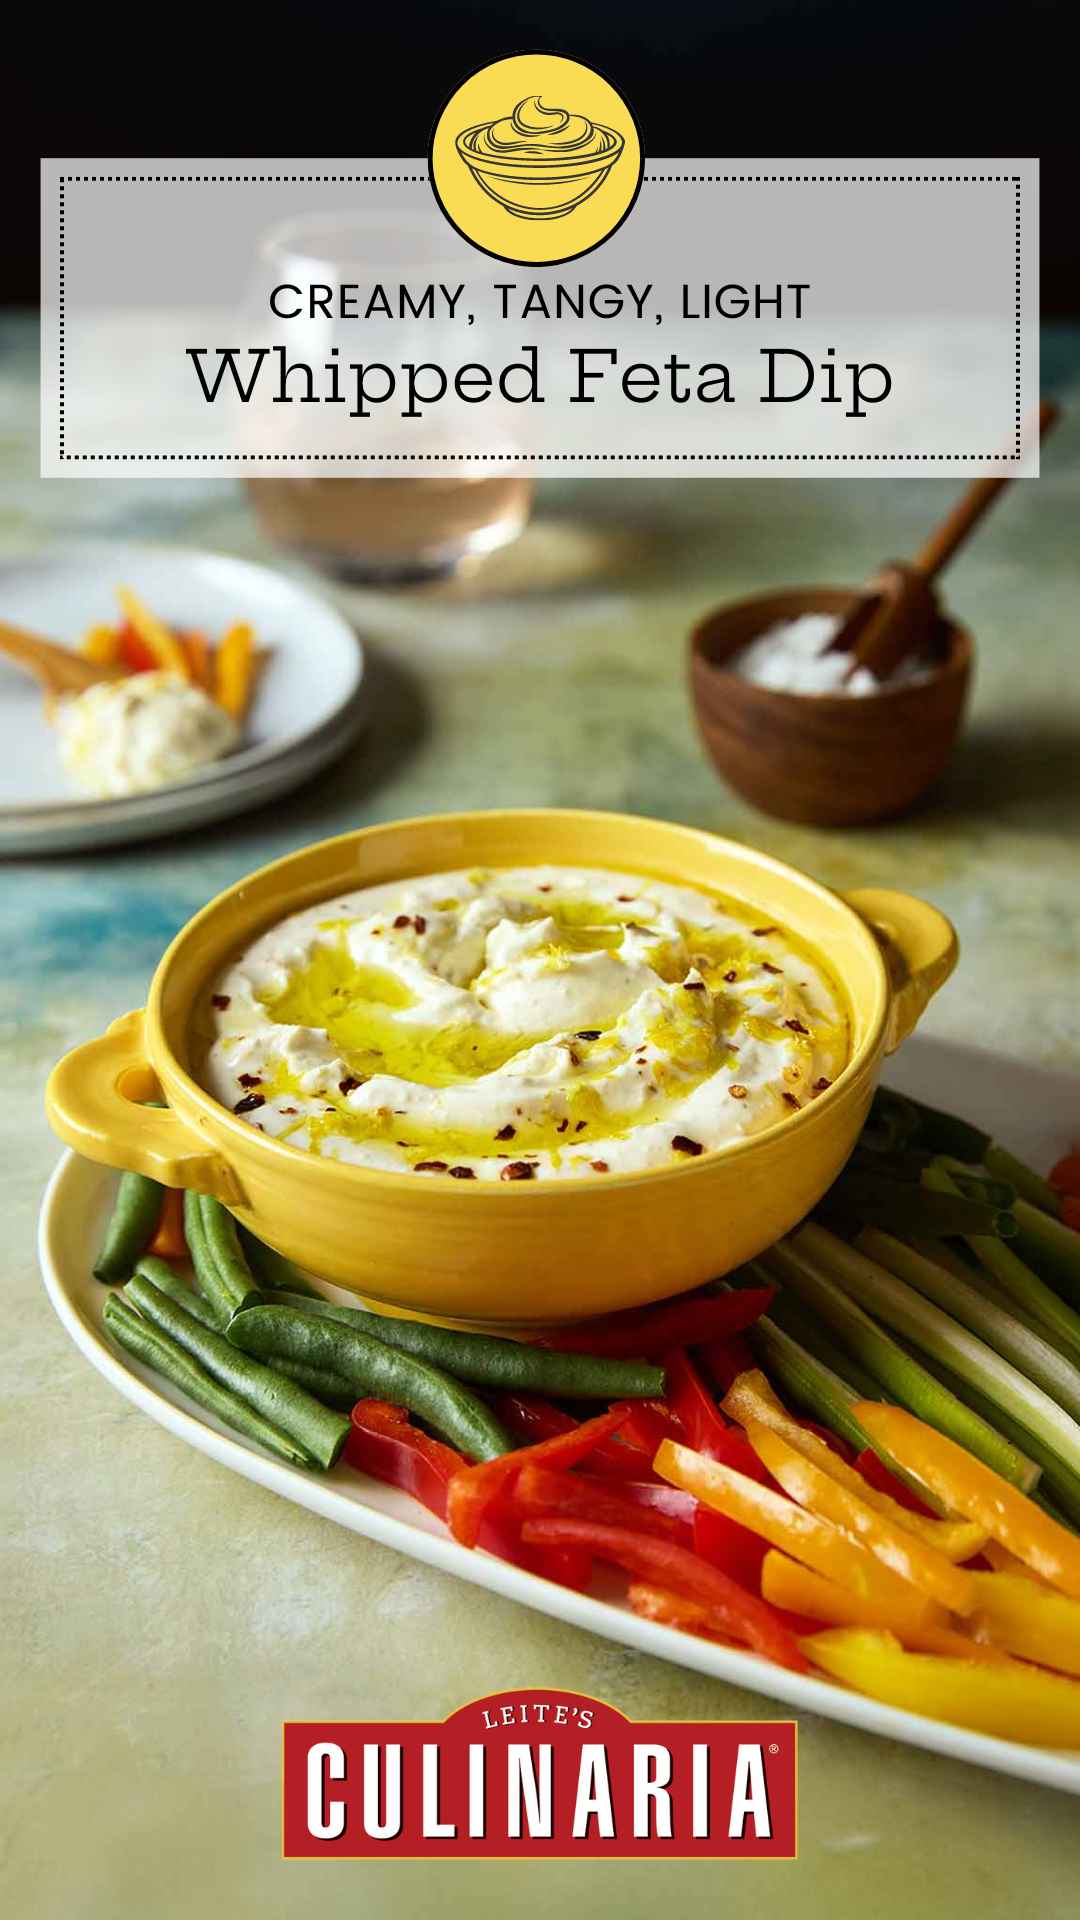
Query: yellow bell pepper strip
pixel 1003 1561
pixel 751 1398
pixel 1009 1699
pixel 101 645
pixel 798 1589
pixel 901 1552
pixel 814 1542
pixel 234 668
pixel 197 654
pixel 1031 1620
pixel 154 634
pixel 967 1486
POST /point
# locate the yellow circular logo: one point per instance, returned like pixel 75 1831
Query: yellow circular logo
pixel 536 159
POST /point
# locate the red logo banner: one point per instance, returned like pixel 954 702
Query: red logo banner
pixel 540 1774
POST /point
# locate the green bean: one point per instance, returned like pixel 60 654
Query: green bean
pixel 162 1276
pixel 156 1350
pixel 132 1225
pixel 206 1273
pixel 508 1366
pixel 319 1431
pixel 330 1388
pixel 225 1254
pixel 286 1333
pixel 272 1269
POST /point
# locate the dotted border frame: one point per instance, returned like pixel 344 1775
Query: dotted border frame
pixel 649 179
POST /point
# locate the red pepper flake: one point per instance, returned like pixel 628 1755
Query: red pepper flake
pixel 562 1126
pixel 249 1103
pixel 221 1001
pixel 462 1173
pixel 430 1166
pixel 769 968
pixel 693 986
pixel 506 1133
pixel 796 1026
pixel 516 1170
pixel 731 975
pixel 588 1033
pixel 544 886
pixel 736 1091
pixel 419 923
pixel 682 1143
pixel 760 932
pixel 249 1079
pixel 599 1166
pixel 580 1126
pixel 822 1085
pixel 349 1084
pixel 289 1109
pixel 791 1100
pixel 624 897
pixel 403 920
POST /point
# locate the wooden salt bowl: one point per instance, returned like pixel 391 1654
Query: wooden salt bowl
pixel 829 760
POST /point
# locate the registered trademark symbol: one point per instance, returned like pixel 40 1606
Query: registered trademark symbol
pixel 774 1748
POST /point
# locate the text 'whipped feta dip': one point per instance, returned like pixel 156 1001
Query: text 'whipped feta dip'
pixel 145 731
pixel 516 1024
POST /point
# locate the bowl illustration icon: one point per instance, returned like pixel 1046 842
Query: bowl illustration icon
pixel 540 162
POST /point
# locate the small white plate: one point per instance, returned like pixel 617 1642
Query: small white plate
pixel 1033 1111
pixel 308 701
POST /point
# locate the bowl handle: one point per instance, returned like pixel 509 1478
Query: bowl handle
pixel 919 947
pixel 93 1102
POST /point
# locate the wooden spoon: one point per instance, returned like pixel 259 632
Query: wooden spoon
pixel 57 669
pixel 898 614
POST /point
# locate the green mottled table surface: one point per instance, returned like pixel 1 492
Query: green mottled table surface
pixel 161 1618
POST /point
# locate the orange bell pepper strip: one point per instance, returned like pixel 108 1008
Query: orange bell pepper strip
pixel 234 670
pixel 752 1398
pixel 1028 1619
pixel 197 654
pixel 898 1550
pixel 797 1589
pixel 101 645
pixel 743 1615
pixel 967 1486
pixel 807 1538
pixel 1003 1561
pixel 1008 1699
pixel 163 644
pixel 168 1241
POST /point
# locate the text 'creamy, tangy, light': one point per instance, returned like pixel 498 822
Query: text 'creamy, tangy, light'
pixel 519 1024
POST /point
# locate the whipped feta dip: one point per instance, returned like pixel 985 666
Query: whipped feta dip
pixel 520 1024
pixel 145 731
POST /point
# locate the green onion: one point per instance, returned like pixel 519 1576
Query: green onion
pixel 1023 1287
pixel 815 1389
pixel 1033 1356
pixel 788 1313
pixel 1030 1186
pixel 903 1378
pixel 1056 1479
pixel 1051 1248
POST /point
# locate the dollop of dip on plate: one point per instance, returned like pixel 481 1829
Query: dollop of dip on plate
pixel 536 132
pixel 145 731
pixel 518 1024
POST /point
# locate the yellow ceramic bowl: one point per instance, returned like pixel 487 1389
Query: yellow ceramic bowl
pixel 503 1253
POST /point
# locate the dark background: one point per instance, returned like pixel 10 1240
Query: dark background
pixel 860 78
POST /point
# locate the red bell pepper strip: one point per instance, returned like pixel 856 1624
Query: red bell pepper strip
pixel 671 1610
pixel 534 1418
pixel 384 1443
pixel 647 1423
pixel 658 1494
pixel 724 1360
pixel 1070 1211
pixel 876 1474
pixel 696 1412
pixel 729 1546
pixel 539 1490
pixel 744 1616
pixel 473 1489
pixel 686 1322
pixel 1065 1177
